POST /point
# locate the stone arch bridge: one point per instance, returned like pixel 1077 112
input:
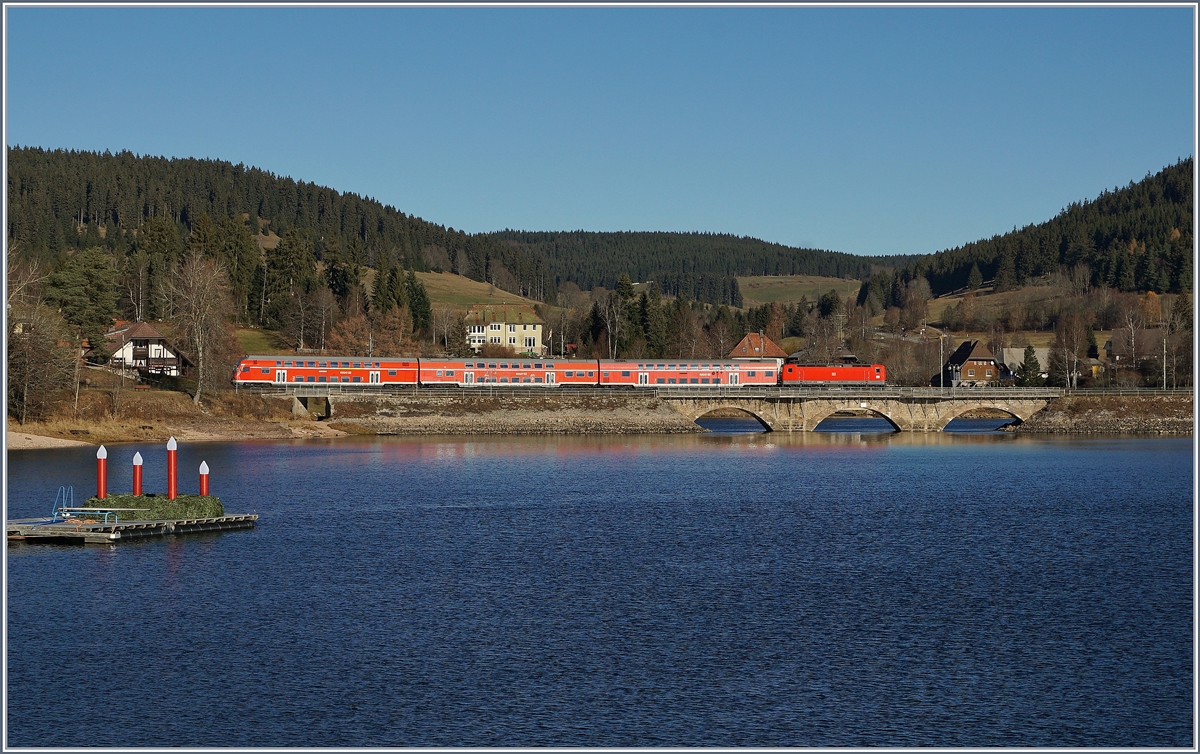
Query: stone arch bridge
pixel 907 409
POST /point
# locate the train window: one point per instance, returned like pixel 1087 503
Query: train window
pixel 526 380
pixel 310 378
pixel 527 366
pixel 312 363
pixel 449 372
pixel 439 373
pixel 358 365
pixel 245 369
pixel 287 363
pixel 752 374
pixel 605 374
pixel 504 379
pixel 358 379
pixel 569 374
pixel 770 373
pixel 345 365
pixel 704 381
pixel 624 374
pixel 265 370
pixel 491 365
pixel 321 364
pixel 468 365
pixel 695 381
pixel 391 373
pixel 279 363
pixel 876 370
pixel 345 379
pixel 660 381
pixel 321 378
pixel 591 374
pixel 537 379
pixel 299 379
pixel 504 366
pixel 537 366
pixel 662 366
pixel 480 365
pixel 671 381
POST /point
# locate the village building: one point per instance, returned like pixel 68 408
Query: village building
pixel 971 365
pixel 137 345
pixel 511 326
pixel 757 346
pixel 1012 358
pixel 1123 350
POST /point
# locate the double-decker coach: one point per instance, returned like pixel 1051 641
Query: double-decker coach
pixel 350 370
pixel 693 372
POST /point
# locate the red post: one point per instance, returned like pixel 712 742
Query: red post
pixel 203 478
pixel 172 476
pixel 137 473
pixel 101 473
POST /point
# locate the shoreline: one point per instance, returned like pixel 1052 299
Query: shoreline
pixel 610 415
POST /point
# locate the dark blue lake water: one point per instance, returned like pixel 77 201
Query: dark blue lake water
pixel 841 588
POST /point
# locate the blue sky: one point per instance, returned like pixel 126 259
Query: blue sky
pixel 865 130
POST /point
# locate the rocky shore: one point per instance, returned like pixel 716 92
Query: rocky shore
pixel 1111 414
pixel 507 415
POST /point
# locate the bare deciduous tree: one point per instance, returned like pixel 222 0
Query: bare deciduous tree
pixel 200 293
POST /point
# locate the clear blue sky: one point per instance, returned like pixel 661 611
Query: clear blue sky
pixel 865 130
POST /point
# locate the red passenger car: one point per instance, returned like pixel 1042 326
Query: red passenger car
pixel 349 370
pixel 693 372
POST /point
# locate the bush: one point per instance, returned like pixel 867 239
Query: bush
pixel 159 508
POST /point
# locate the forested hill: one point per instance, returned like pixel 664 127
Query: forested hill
pixel 699 265
pixel 61 199
pixel 1137 238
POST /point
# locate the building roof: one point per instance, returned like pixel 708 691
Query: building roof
pixel 133 331
pixel 756 346
pixel 482 314
pixel 970 350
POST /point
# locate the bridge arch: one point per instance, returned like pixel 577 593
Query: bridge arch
pixel 958 409
pixel 741 410
pixel 813 420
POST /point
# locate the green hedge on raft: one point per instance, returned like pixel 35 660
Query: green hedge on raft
pixel 159 507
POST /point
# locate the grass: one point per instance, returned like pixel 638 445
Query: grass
pixel 264 342
pixel 456 290
pixel 788 289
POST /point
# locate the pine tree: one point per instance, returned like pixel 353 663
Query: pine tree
pixel 1029 373
pixel 975 278
pixel 418 302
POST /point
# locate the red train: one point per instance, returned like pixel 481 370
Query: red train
pixel 357 370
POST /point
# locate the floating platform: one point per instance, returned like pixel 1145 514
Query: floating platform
pixel 76 531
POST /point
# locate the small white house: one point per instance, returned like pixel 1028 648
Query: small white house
pixel 139 346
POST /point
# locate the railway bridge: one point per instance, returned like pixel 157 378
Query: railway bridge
pixel 788 409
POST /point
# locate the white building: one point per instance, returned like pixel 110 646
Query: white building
pixel 513 326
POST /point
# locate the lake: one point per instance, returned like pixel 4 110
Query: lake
pixel 842 588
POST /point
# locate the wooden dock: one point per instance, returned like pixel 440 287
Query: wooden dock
pixel 75 531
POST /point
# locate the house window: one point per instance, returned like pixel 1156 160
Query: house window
pixel 512 341
pixel 989 373
pixel 495 326
pixel 970 372
pixel 512 328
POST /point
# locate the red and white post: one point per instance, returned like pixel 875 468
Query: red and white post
pixel 101 473
pixel 172 469
pixel 137 473
pixel 203 477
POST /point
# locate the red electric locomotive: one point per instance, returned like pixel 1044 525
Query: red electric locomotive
pixel 834 374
